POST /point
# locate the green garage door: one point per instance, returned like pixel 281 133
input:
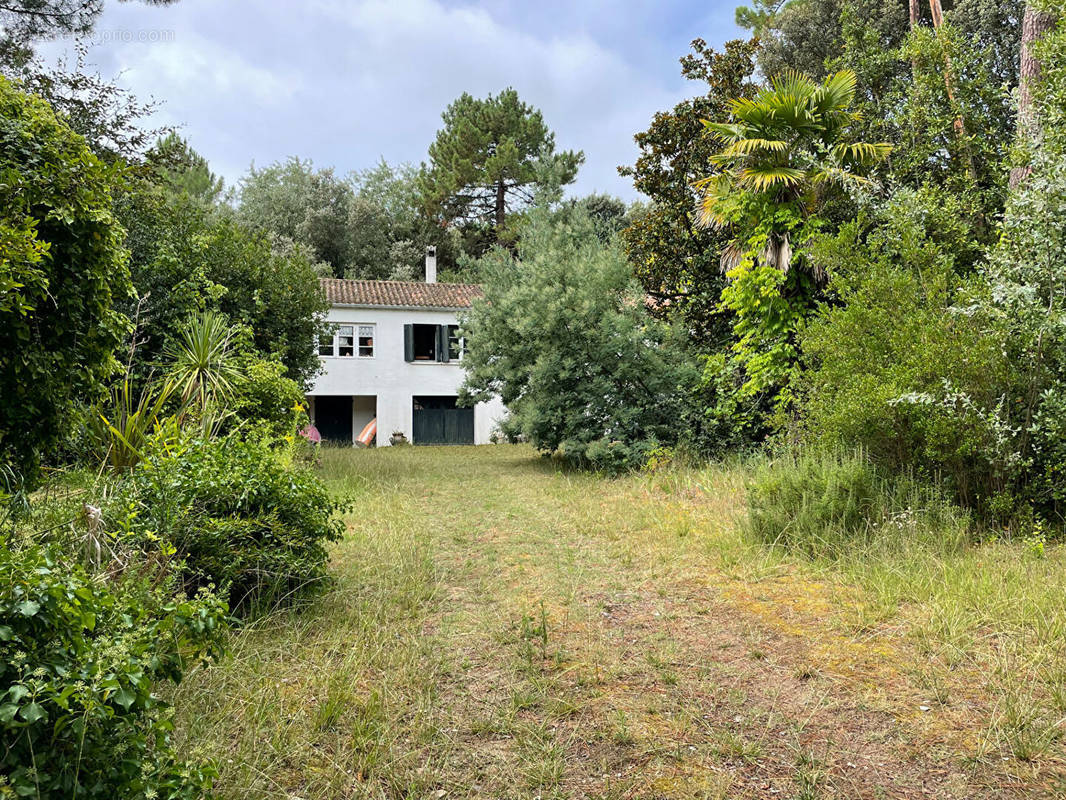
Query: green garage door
pixel 437 420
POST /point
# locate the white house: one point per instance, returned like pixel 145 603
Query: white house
pixel 395 356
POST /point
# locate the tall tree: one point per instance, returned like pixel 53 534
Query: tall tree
pixel 1035 25
pixel 308 206
pixel 798 34
pixel 183 171
pixel 488 160
pixel 786 151
pixel 676 259
pixel 185 259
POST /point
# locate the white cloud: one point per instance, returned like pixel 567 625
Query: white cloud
pixel 345 83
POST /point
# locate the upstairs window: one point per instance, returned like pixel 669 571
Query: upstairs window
pixel 431 343
pixel 424 343
pixel 325 343
pixel 345 341
pixel 455 343
pixel 348 341
pixel 366 341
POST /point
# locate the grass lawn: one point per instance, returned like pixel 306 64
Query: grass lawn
pixel 500 628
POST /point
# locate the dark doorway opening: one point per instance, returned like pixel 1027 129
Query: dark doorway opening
pixel 333 418
pixel 438 420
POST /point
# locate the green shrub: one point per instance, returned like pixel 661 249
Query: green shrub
pixel 899 366
pixel 564 338
pixel 832 504
pixel 79 659
pixel 235 514
pixel 265 401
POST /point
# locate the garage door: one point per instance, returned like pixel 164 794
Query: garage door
pixel 438 420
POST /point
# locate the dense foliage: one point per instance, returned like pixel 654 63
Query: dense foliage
pixel 62 272
pixel 185 258
pixel 563 337
pixel 233 514
pixel 80 662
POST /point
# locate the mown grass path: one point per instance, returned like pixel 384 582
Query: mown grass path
pixel 503 629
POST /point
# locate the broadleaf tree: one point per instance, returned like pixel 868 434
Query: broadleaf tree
pixel 674 257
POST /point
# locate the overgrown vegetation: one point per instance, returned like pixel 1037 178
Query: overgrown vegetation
pixel 501 625
pixel 232 515
pixel 851 270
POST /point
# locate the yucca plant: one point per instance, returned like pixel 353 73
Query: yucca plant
pixel 201 366
pixel 784 147
pixel 125 426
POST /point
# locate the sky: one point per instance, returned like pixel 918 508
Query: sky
pixel 346 83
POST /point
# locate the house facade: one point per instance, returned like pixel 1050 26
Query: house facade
pixel 395 355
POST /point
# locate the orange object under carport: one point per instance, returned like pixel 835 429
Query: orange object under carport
pixel 369 433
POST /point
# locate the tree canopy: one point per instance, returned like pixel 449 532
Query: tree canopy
pixel 488 160
pixel 184 171
pixel 677 260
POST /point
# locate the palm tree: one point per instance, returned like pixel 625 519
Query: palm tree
pixel 785 148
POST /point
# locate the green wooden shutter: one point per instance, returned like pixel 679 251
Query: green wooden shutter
pixel 442 343
pixel 408 342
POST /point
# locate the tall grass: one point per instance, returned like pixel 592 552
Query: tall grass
pixel 836 503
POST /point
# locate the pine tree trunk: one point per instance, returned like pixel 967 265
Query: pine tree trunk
pixel 501 207
pixel 915 17
pixel 1034 25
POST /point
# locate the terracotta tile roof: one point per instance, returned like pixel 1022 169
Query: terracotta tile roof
pixel 403 294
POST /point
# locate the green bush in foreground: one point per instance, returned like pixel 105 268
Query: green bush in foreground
pixel 829 504
pixel 79 658
pixel 236 513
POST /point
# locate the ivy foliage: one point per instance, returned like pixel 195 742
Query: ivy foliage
pixel 63 278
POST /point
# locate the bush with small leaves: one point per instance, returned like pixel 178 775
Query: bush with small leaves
pixel 79 660
pixel 236 513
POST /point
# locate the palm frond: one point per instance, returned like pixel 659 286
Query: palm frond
pixel 743 147
pixel 726 131
pixel 861 153
pixel 717 201
pixel 837 92
pixel 760 178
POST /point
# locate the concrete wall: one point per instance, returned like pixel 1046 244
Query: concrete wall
pixel 393 381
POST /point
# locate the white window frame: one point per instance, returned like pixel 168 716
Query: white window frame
pixel 373 339
pixel 355 326
pixel 460 341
